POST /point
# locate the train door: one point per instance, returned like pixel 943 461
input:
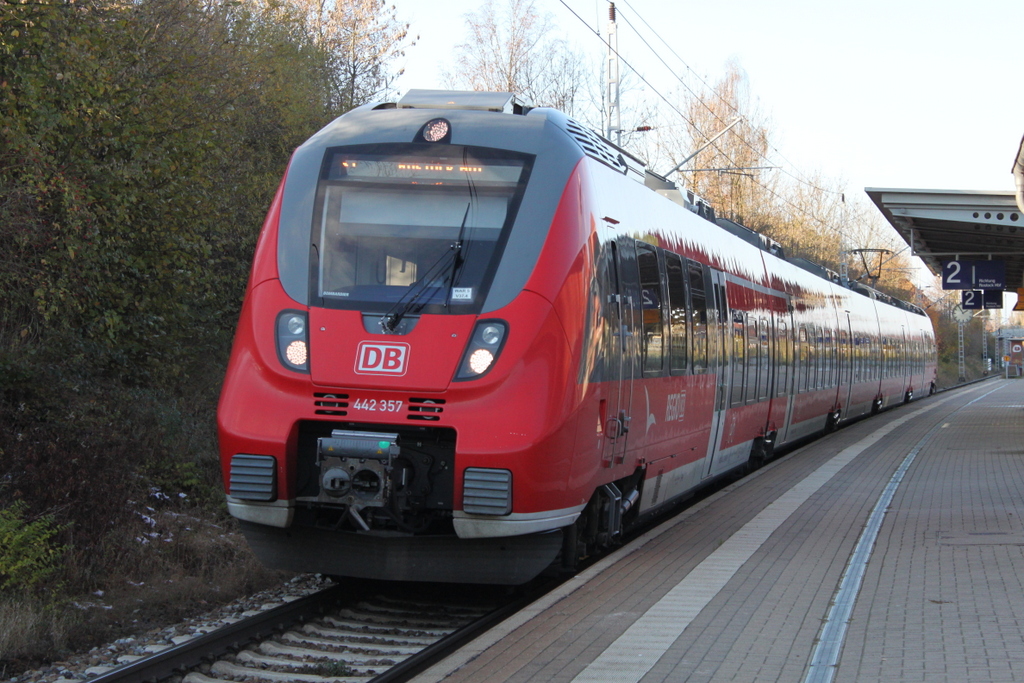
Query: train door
pixel 621 301
pixel 718 359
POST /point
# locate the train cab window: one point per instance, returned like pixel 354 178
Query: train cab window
pixel 653 350
pixel 698 317
pixel 739 358
pixel 678 318
pixel 421 222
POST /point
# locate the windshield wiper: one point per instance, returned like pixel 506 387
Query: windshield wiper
pixel 460 257
pixel 389 321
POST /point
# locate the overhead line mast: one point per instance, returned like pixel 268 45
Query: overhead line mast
pixel 614 121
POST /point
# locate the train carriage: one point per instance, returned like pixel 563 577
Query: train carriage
pixel 478 338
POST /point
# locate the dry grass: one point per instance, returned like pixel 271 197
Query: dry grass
pixel 185 567
pixel 31 629
pixel 948 372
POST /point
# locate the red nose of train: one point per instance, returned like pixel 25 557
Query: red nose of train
pixel 423 359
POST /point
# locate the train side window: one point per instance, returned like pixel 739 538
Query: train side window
pixel 855 358
pixel 877 364
pixel 653 351
pixel 844 358
pixel 820 358
pixel 783 359
pixel 764 343
pixel 885 357
pixel 806 358
pixel 801 359
pixel 739 358
pixel 754 380
pixel 698 317
pixel 829 350
pixel 876 357
pixel 869 358
pixel 678 318
pixel 890 354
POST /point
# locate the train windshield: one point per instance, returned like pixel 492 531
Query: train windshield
pixel 420 226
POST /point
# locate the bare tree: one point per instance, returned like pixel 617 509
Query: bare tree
pixel 364 39
pixel 510 47
pixel 729 172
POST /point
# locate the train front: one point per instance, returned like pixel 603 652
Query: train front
pixel 400 398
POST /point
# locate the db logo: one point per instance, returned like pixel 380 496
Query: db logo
pixel 381 359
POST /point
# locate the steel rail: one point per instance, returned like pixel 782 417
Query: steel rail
pixel 192 653
pixel 435 652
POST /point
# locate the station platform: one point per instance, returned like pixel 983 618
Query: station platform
pixel 890 550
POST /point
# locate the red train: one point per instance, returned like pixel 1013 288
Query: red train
pixel 479 337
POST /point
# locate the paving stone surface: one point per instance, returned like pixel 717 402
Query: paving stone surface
pixel 942 598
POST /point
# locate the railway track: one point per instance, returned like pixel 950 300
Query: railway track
pixel 358 631
pixel 353 632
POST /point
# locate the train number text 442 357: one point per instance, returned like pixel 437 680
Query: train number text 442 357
pixel 374 405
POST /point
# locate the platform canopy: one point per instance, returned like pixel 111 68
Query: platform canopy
pixel 947 225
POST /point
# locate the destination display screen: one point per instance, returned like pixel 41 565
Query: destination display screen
pixel 369 168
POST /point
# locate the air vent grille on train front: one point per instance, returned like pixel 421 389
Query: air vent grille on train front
pixel 330 404
pixel 253 477
pixel 426 409
pixel 598 148
pixel 486 491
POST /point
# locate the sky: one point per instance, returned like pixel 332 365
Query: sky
pixel 879 93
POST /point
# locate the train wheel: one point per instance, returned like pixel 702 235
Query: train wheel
pixel 760 453
pixel 832 423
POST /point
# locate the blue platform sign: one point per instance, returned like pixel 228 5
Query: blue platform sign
pixel 993 298
pixel 957 275
pixel 974 275
pixel 971 300
pixel 990 275
pixel 976 299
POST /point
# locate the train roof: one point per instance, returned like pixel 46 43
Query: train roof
pixel 527 134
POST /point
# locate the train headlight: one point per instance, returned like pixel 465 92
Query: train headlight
pixel 436 130
pixel 492 334
pixel 483 349
pixel 480 361
pixel 292 340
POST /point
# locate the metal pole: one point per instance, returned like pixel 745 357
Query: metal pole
pixel 960 355
pixel 844 254
pixel 704 146
pixel 614 121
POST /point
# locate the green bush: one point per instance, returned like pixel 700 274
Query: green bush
pixel 28 555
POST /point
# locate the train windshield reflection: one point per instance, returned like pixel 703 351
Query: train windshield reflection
pixel 431 219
